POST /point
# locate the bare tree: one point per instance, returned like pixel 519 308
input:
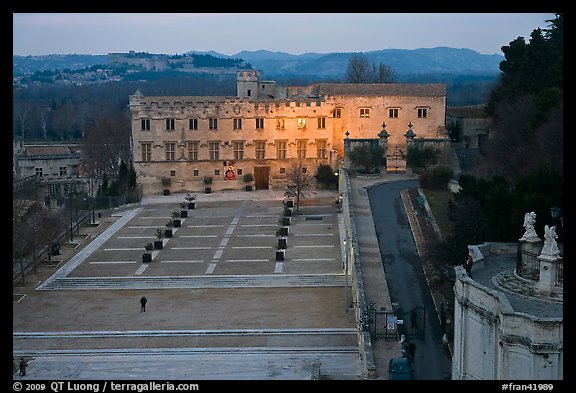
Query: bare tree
pixel 106 144
pixel 359 70
pixel 34 228
pixel 383 74
pixel 43 112
pixel 298 182
pixel 22 119
pixel 84 117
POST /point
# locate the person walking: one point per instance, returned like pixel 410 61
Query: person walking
pixel 23 366
pixel 143 302
pixel 468 265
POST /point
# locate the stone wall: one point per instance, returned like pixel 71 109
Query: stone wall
pixel 318 124
pixel 492 341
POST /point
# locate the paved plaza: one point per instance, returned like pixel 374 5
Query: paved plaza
pixel 220 306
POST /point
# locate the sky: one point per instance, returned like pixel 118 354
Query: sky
pixel 294 33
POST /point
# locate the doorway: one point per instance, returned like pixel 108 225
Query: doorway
pixel 261 177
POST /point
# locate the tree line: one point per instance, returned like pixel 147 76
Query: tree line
pixel 521 169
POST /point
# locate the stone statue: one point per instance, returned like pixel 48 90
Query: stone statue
pixel 550 247
pixel 529 221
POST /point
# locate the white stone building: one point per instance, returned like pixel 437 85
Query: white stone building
pixel 508 316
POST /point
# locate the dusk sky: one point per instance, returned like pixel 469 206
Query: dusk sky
pixel 230 33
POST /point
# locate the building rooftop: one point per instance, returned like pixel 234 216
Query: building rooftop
pixel 47 150
pixel 382 89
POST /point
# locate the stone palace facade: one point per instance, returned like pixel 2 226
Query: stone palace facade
pixel 266 129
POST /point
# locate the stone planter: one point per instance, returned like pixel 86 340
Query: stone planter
pixel 184 213
pixel 166 192
pixel 287 212
pixel 146 258
pixel 158 244
pixel 280 255
pixel 284 230
pixel 191 205
pixel 289 203
pixel 207 190
pixel 286 220
pixel 248 188
pixel 177 223
pixel 282 243
pixel 168 233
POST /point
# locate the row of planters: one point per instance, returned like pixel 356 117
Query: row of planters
pixel 282 232
pixel 207 181
pixel 174 222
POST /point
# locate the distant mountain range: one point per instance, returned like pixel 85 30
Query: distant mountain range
pixel 440 60
pixel 402 61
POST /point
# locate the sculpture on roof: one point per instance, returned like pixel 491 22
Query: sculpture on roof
pixel 529 221
pixel 550 246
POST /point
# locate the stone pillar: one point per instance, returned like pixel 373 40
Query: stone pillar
pixel 548 272
pixel 383 135
pixel 409 135
pixel 347 151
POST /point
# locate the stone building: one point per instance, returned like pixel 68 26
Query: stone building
pixel 266 129
pixel 472 124
pixel 47 161
pixel 508 313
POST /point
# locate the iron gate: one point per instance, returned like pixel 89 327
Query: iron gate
pixel 392 324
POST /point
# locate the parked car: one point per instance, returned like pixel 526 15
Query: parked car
pixel 400 369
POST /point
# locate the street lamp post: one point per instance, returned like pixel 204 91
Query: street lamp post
pixel 556 213
pixel 345 263
pixel 92 199
pixel 70 206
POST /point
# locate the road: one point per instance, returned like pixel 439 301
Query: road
pixel 405 277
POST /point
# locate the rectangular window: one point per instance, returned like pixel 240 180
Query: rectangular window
pixel 304 169
pixel 146 151
pixel 259 123
pixel 422 112
pixel 63 171
pixel 321 122
pixel 260 149
pixel 215 150
pixel 364 112
pixel 195 172
pixel 193 124
pixel 393 112
pixel 238 150
pixel 249 92
pixel 216 172
pixel 301 122
pixel 170 124
pixel 193 150
pixel 145 124
pixel 239 171
pixel 237 124
pixel 170 151
pixel 280 123
pixel 38 171
pixel 213 123
pixel 172 173
pixel 280 150
pixel 338 112
pixel 321 148
pixel 282 171
pixel 301 148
